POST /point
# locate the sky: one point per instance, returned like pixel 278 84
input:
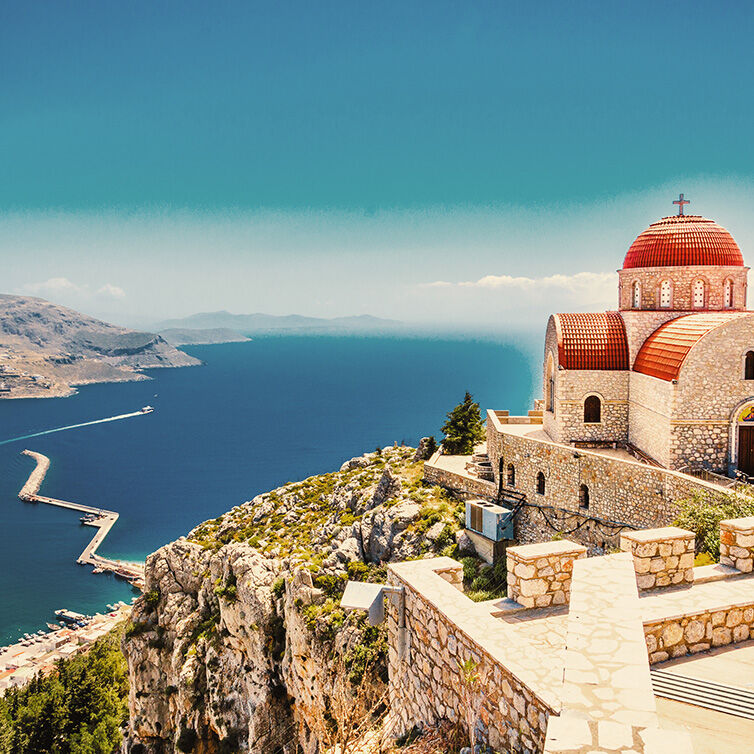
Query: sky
pixel 464 164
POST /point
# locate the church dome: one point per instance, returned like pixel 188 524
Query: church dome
pixel 683 241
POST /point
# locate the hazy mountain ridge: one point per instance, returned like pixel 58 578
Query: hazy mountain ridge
pixel 45 349
pixel 258 323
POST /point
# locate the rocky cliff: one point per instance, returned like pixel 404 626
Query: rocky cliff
pixel 46 348
pixel 232 646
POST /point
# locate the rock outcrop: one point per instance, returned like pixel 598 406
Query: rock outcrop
pixel 233 644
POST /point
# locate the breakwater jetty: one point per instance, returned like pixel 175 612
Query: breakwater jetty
pixel 101 519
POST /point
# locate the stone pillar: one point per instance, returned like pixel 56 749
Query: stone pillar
pixel 662 557
pixel 539 575
pixel 737 543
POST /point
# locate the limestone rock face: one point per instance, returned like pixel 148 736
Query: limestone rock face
pixel 230 649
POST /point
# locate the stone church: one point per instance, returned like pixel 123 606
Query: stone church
pixel 671 372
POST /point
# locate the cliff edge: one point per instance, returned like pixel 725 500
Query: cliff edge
pixel 234 643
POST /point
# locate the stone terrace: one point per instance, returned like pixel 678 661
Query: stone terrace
pixel 524 655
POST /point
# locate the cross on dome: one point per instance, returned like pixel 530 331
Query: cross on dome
pixel 680 201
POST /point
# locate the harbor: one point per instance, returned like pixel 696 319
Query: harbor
pixel 99 518
pixel 38 653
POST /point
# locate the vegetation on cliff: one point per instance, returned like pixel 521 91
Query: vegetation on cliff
pixel 234 644
pixel 77 709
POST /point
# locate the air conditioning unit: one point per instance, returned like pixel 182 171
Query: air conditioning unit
pixel 490 520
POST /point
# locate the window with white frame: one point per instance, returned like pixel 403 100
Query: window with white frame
pixel 728 294
pixel 665 294
pixel 636 295
pixel 698 294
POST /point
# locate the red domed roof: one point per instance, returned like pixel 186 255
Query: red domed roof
pixel 591 341
pixel 681 241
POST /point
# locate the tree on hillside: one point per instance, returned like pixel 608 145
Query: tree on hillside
pixel 464 428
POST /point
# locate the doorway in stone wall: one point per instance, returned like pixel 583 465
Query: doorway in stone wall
pixel 746 449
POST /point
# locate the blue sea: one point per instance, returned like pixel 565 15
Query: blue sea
pixel 254 416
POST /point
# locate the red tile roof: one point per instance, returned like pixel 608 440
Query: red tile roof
pixel 591 341
pixel 665 350
pixel 682 241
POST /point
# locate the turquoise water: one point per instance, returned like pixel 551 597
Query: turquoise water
pixel 257 415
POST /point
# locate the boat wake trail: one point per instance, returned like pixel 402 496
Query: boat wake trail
pixel 73 426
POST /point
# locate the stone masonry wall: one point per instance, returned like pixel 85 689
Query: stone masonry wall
pixel 539 575
pixel 425 684
pixel 681 279
pixel 737 543
pixel 641 324
pixel 711 386
pixel 573 387
pixel 650 411
pixel 662 557
pixel 697 632
pixel 627 492
pixel 463 485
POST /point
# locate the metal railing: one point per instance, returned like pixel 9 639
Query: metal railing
pixel 717 479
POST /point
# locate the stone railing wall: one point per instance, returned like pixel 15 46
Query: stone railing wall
pixel 462 485
pixel 737 543
pixel 539 575
pixel 443 629
pixel 662 557
pixel 697 632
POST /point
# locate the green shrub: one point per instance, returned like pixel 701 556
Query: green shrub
pixel 357 570
pixel 702 514
pixel 152 598
pixel 279 586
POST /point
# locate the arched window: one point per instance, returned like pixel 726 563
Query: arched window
pixel 728 294
pixel 540 483
pixel 511 481
pixel 592 410
pixel 584 497
pixel 749 366
pixel 665 294
pixel 550 384
pixel 636 295
pixel 697 291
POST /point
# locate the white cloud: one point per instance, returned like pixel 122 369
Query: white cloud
pixel 53 286
pixel 112 291
pixel 579 282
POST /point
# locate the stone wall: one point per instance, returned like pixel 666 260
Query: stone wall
pixel 425 681
pixel 621 491
pixel 573 387
pixel 662 557
pixel 737 543
pixel 641 324
pixel 697 632
pixel 650 411
pixel 711 387
pixel 539 575
pixel 682 279
pixel 463 486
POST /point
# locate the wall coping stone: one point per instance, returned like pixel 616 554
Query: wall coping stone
pixel 657 535
pixel 739 524
pixel 546 549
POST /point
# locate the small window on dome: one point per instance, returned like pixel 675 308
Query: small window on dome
pixel 698 294
pixel 636 295
pixel 728 294
pixel 665 297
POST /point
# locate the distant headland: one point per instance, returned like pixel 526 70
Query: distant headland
pixel 46 349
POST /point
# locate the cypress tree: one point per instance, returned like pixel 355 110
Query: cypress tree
pixel 464 427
